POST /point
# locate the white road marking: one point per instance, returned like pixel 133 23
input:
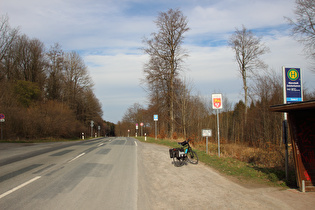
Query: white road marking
pixel 136 144
pixel 77 157
pixel 101 144
pixel 19 187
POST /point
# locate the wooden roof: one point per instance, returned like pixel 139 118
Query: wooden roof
pixel 304 105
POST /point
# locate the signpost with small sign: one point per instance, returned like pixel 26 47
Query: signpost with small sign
pixel 141 126
pixel 92 124
pixel 206 133
pixel 155 118
pixel 217 104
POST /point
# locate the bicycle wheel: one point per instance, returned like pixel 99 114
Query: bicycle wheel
pixel 192 157
pixel 178 162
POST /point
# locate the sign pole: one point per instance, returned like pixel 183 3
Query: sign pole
pixel 155 130
pixel 284 125
pixel 292 92
pixel 141 129
pixel 155 118
pixel 217 104
pixel 207 145
pixel 1 132
pixel 218 132
pixel 92 124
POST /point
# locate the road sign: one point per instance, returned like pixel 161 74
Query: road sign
pixel 155 117
pixel 206 132
pixel 141 124
pixel 292 85
pixel 217 101
pixel 2 117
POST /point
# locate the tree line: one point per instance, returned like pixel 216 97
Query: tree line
pixel 183 114
pixel 44 93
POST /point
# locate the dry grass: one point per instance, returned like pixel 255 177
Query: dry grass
pixel 270 157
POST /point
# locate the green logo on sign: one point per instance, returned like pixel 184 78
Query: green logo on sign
pixel 293 74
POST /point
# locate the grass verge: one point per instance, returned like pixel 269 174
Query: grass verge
pixel 243 172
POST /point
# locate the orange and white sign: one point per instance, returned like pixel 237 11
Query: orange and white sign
pixel 216 101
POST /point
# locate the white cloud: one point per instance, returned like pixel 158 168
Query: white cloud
pixel 108 35
pixel 224 16
pixel 120 69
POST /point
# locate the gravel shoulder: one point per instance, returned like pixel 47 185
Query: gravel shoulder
pixel 161 185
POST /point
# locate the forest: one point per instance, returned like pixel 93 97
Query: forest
pixel 45 93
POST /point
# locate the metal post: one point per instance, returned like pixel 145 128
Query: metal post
pixel 155 130
pixel 218 132
pixel 285 141
pixel 285 125
pixel 1 131
pixel 141 130
pixel 207 145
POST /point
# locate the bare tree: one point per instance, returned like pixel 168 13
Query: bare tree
pixel 7 36
pixel 247 48
pixel 303 27
pixel 166 53
pixel 134 114
pixel 55 72
pixel 76 78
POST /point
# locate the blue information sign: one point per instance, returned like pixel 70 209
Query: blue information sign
pixel 155 117
pixel 292 85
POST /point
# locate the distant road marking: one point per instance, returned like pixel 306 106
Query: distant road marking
pixel 101 144
pixel 77 157
pixel 19 187
pixel 136 144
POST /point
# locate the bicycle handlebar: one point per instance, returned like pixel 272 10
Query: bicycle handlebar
pixel 184 142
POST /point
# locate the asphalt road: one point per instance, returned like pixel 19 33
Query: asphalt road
pixel 97 174
pixel 123 173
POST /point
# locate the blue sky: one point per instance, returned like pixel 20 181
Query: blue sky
pixel 108 35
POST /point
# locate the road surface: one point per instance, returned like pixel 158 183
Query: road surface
pixel 123 173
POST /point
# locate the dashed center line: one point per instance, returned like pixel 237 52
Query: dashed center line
pixel 77 157
pixel 19 187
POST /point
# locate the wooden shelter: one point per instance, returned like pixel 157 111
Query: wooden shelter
pixel 301 119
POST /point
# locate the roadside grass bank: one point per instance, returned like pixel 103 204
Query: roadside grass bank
pixel 242 171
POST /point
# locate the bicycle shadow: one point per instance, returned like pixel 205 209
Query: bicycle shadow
pixel 179 163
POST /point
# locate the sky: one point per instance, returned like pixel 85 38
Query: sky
pixel 108 35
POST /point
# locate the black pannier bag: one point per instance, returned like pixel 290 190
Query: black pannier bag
pixel 177 152
pixel 172 152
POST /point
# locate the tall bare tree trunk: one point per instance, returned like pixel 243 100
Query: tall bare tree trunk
pixel 166 56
